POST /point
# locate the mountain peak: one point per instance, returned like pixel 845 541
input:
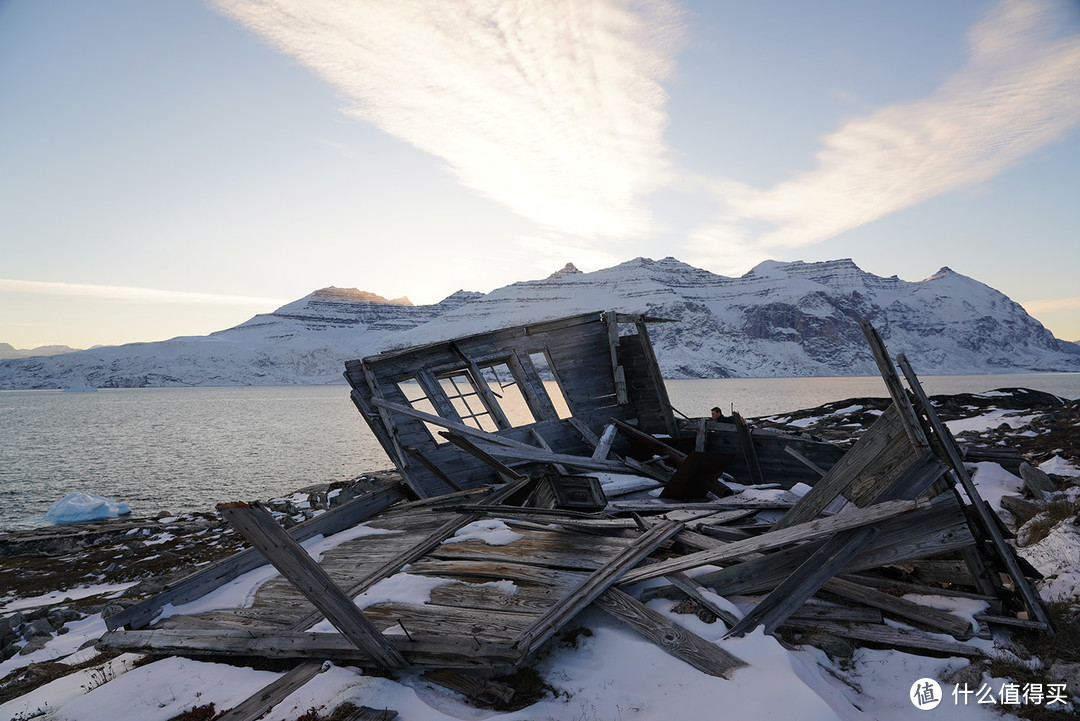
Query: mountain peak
pixel 568 269
pixel 357 296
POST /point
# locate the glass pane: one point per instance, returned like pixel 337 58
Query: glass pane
pixel 505 386
pixel 540 362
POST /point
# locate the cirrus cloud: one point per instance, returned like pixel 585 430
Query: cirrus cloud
pixel 1018 91
pixel 553 108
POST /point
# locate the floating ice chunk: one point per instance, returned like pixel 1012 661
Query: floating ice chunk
pixel 76 507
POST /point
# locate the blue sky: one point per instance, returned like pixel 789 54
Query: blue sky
pixel 173 168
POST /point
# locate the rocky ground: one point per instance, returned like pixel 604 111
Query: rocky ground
pixel 53 577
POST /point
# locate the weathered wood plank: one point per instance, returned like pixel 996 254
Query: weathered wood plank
pixel 900 398
pixel 290 559
pixel 365 713
pixel 447 650
pixel 887 636
pixel 596 583
pixel 805 461
pixel 895 606
pixel 941 528
pixel 669 637
pixel 746 445
pixel 837 551
pixel 272 694
pixel 873 443
pixel 603 447
pixel 484 691
pixel 505 473
pixel 696 591
pixel 856 518
pixel 417 551
pixel 988 523
pixel 218 574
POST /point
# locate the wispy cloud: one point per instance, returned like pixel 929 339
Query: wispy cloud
pixel 130 294
pixel 553 108
pixel 1045 306
pixel 1018 91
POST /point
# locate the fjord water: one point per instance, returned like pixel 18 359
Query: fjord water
pixel 186 449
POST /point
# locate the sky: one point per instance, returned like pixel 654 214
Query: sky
pixel 175 168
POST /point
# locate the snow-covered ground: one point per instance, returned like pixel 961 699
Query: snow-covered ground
pixel 610 674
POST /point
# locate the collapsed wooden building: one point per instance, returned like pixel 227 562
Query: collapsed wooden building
pixel 542 428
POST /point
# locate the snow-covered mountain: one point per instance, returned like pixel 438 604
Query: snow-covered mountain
pixel 779 319
pixel 9 351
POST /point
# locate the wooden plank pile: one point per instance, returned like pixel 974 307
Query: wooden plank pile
pixel 896 515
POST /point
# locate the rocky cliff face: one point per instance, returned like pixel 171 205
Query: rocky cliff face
pixel 780 319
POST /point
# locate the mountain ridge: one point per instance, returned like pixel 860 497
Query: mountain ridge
pixel 778 319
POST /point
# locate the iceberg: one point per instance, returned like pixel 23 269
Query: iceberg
pixel 76 507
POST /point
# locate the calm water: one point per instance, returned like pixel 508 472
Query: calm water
pixel 185 449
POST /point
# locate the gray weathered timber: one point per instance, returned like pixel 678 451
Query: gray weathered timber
pixel 881 434
pixel 696 592
pixel 539 455
pixel 661 403
pixel 596 583
pixel 397 455
pixel 603 446
pixel 900 398
pixel 837 551
pixel 504 472
pixel 805 461
pixel 988 521
pixel 888 636
pixel 417 551
pixel 218 574
pixel 447 650
pixel 941 528
pixel 746 446
pixel 426 463
pixel 617 371
pixel 671 638
pixel 484 691
pixel 274 693
pixel 895 606
pixel 654 444
pixel 261 530
pixel 776 464
pixel 775 539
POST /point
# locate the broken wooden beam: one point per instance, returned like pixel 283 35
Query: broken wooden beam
pixel 746 445
pixel 260 529
pixel 217 574
pixel 600 580
pixel 854 519
pixel 671 638
pixel 987 519
pixel 272 694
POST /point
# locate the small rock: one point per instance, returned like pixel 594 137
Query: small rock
pixel 40 627
pixel 970 674
pixel 1069 673
pixel 34 644
pixel 8 651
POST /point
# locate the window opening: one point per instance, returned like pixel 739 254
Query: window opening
pixel 418 400
pixel 466 401
pixel 504 385
pixel 551 384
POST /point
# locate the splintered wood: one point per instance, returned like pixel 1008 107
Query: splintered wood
pixel 502 547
